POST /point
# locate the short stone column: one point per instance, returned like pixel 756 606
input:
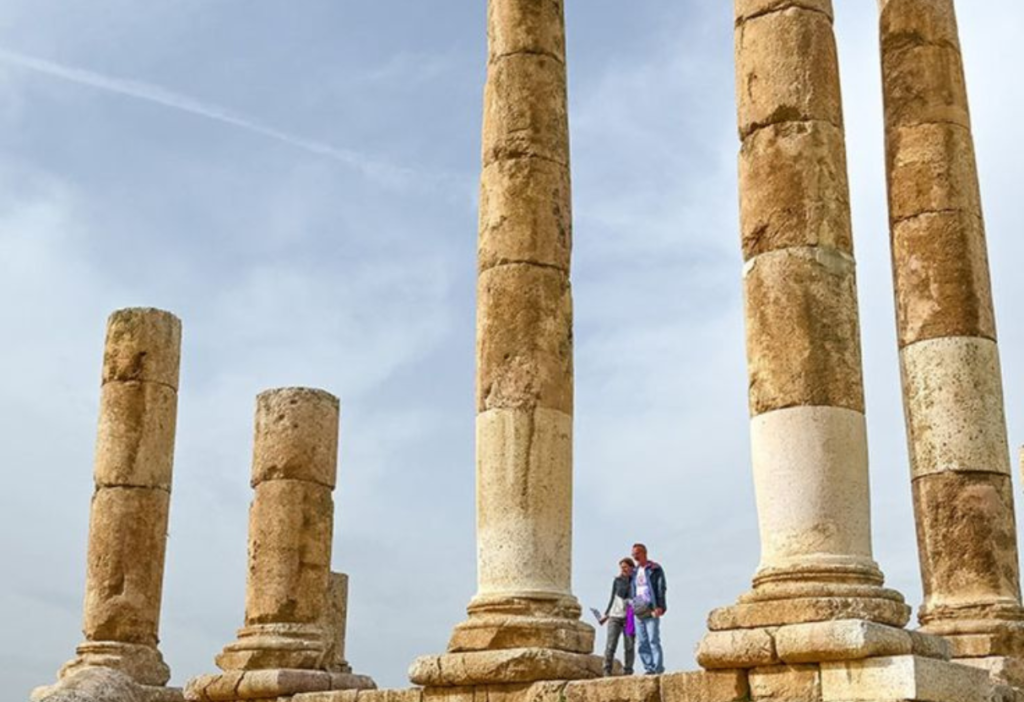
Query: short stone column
pixel 129 515
pixel 283 647
pixel 952 387
pixel 524 609
pixel 336 621
pixel 808 434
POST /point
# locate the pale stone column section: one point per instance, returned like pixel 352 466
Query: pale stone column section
pixel 952 387
pixel 524 343
pixel 336 621
pixel 291 523
pixel 803 340
pixel 130 508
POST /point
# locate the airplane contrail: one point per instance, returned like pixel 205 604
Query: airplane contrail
pixel 161 96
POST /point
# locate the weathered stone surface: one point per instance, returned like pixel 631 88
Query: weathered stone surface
pixel 940 265
pixel 91 685
pixel 786 683
pixel 296 436
pixel 275 646
pixel 930 646
pixel 234 686
pixel 335 622
pixel 125 565
pixel 809 609
pixel 903 678
pixel 290 529
pixel 524 339
pixel 982 638
pixel 506 666
pixel 525 213
pixel 803 338
pixel 135 439
pixel 737 648
pixel 1007 670
pixel 143 344
pixel 931 169
pixel 746 9
pixel 793 188
pixel 705 685
pixel 526 28
pixel 488 632
pixel 924 83
pixel 630 688
pixel 787 70
pixel 910 23
pixel 840 640
pixel 811 482
pixel 953 396
pixel 140 662
pixel 967 543
pixel 524 482
pixel 525 111
pixel 553 691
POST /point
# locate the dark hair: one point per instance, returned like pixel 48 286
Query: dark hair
pixel 639 545
pixel 628 561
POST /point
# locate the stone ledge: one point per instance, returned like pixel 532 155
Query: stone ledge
pixel 739 648
pixel 513 665
pixel 758 615
pixel 904 678
pixel 1005 670
pixel 852 639
pixel 235 686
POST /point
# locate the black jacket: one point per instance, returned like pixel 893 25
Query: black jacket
pixel 656 583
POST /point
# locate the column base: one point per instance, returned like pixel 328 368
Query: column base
pixel 239 685
pixel 96 684
pixel 142 663
pixel 505 666
pixel 275 646
pixel 539 621
pixel 878 605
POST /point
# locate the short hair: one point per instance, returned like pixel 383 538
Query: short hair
pixel 628 561
pixel 640 545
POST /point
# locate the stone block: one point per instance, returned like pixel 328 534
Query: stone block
pixel 142 344
pixel 738 648
pixel 135 439
pixel 747 9
pixel 488 632
pixel 924 83
pixel 347 696
pixel 903 678
pixel 516 665
pixel 526 28
pixel 931 169
pixel 787 70
pixel 258 685
pixel 775 613
pixel 930 646
pixel 553 691
pixel 629 688
pixel 840 640
pixel 140 662
pixel 125 564
pixel 1005 670
pixel 705 686
pixel 967 542
pixel 296 436
pixel 335 622
pixel 793 188
pixel 918 23
pixel 525 113
pixel 524 339
pixel 525 213
pixel 953 394
pixel 983 639
pixel 803 338
pixel 786 683
pixel 941 272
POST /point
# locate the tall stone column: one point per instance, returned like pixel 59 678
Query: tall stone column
pixel 952 387
pixel 803 340
pixel 284 646
pixel 524 601
pixel 130 505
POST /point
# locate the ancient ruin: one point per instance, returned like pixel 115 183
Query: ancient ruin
pixel 818 625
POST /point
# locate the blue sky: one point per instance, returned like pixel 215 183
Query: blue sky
pixel 297 181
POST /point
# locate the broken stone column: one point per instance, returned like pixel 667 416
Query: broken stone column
pixel 808 437
pixel 284 646
pixel 336 620
pixel 952 387
pixel 129 514
pixel 524 609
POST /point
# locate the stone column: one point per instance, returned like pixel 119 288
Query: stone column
pixel 336 622
pixel 952 387
pixel 129 514
pixel 524 599
pixel 284 646
pixel 803 340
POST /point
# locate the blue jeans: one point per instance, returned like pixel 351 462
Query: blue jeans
pixel 648 636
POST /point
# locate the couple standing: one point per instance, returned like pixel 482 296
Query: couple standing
pixel 635 611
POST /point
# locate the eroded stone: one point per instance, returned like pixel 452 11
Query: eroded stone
pixel 526 27
pixel 142 344
pixel 296 436
pixel 931 169
pixel 737 648
pixel 786 683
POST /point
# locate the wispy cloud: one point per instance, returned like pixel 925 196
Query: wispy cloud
pixel 148 92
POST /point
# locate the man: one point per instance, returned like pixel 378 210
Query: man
pixel 619 616
pixel 649 605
